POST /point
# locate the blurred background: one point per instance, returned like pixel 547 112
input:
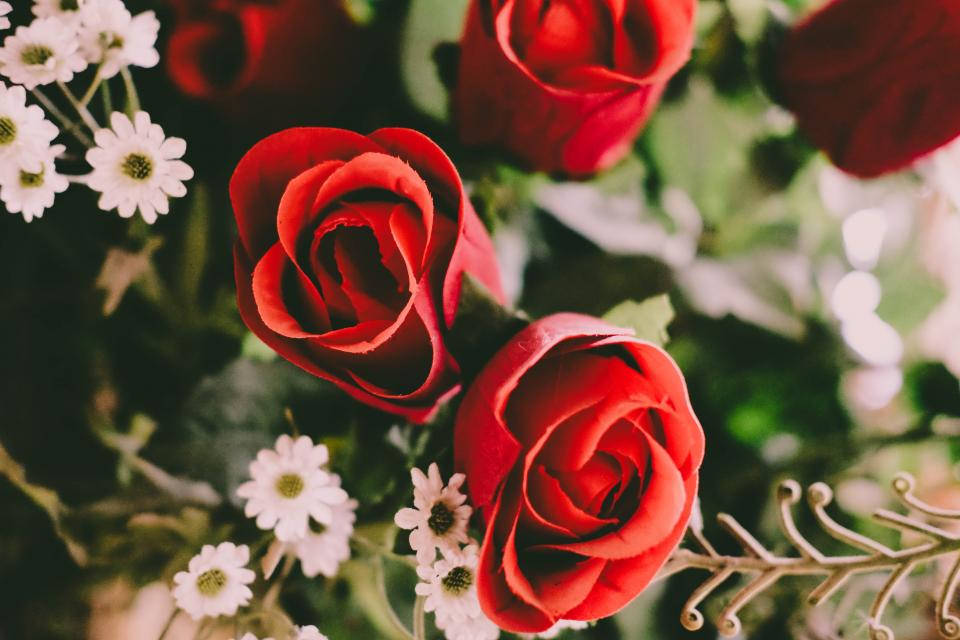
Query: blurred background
pixel 818 325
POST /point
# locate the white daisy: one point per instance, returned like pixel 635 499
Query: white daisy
pixel 5 8
pixel 326 546
pixel 109 34
pixel 215 582
pixel 560 627
pixel 31 192
pixel 476 628
pixel 25 133
pixel 440 517
pixel 135 166
pixel 450 586
pixel 68 11
pixel 289 487
pixel 309 633
pixel 44 52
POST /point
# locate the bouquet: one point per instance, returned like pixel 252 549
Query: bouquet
pixel 457 318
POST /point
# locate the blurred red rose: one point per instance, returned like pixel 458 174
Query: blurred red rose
pixel 582 453
pixel 253 55
pixel 875 83
pixel 350 259
pixel 567 85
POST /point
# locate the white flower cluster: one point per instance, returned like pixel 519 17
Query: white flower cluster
pixel 134 165
pixel 439 522
pixel 294 495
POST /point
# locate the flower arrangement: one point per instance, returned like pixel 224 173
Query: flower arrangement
pixel 465 312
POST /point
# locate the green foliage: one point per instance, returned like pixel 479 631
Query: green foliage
pixel 649 319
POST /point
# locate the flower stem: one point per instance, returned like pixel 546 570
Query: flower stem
pixel 92 89
pixel 133 98
pixel 81 109
pixel 420 619
pixel 107 98
pixel 71 127
pixel 169 624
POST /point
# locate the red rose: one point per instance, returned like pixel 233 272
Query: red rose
pixel 567 85
pixel 581 451
pixel 250 55
pixel 875 83
pixel 350 259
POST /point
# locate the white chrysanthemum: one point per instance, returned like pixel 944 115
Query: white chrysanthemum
pixel 476 628
pixel 289 487
pixel 450 585
pixel 68 11
pixel 25 133
pixel 324 549
pixel 560 627
pixel 44 52
pixel 440 517
pixel 309 633
pixel 136 167
pixel 32 192
pixel 109 34
pixel 215 582
pixel 5 8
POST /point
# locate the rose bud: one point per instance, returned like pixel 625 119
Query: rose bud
pixel 874 96
pixel 248 56
pixel 567 85
pixel 582 453
pixel 350 260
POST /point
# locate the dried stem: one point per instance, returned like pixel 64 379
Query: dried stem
pixel 767 568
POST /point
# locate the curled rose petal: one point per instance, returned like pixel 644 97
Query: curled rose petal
pixel 566 85
pixel 873 98
pixel 582 452
pixel 350 256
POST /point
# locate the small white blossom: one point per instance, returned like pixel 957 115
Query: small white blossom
pixel 322 552
pixel 560 627
pixel 309 633
pixel 67 11
pixel 477 628
pixel 5 8
pixel 450 585
pixel 215 582
pixel 440 517
pixel 136 167
pixel 289 487
pixel 44 52
pixel 110 35
pixel 32 192
pixel 250 636
pixel 25 133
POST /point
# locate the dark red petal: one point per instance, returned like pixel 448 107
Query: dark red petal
pixel 300 353
pixel 551 508
pixel 562 581
pixel 622 580
pixel 296 206
pixel 268 291
pixel 497 599
pixel 659 509
pixel 262 176
pixel 483 447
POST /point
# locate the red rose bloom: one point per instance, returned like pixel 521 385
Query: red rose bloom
pixel 249 55
pixel 875 83
pixel 566 85
pixel 350 259
pixel 581 451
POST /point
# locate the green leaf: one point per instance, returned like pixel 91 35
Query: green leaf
pixel 649 318
pixel 429 24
